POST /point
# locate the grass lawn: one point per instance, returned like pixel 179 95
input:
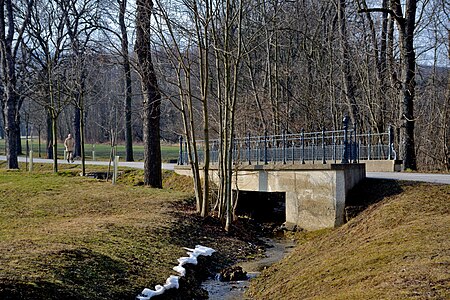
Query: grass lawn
pixel 67 237
pixel 398 248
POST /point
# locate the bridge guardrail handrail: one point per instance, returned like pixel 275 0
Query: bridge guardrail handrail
pixel 337 146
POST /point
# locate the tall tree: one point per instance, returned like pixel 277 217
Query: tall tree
pixel 127 80
pixel 406 24
pixel 150 93
pixel 11 36
pixel 47 42
pixel 192 71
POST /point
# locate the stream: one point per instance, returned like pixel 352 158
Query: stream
pixel 219 290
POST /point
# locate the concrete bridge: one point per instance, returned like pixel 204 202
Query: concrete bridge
pixel 315 194
pixel 315 170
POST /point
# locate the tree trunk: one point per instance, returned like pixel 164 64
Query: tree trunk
pixel 83 158
pixel 349 87
pixel 55 143
pixel 127 82
pixel 19 135
pixel 76 130
pixel 406 27
pixel 151 96
pixel 11 98
pixel 12 129
pixel 49 136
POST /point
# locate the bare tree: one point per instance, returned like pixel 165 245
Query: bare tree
pixel 151 95
pixel 127 80
pixel 48 45
pixel 192 82
pixel 11 37
pixel 406 24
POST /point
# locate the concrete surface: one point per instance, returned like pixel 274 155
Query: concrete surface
pixel 315 194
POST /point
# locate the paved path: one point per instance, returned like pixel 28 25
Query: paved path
pixel 424 177
pixel 135 165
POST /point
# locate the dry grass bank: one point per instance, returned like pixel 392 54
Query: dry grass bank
pixel 67 237
pixel 398 248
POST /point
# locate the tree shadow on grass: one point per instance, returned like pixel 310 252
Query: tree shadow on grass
pixel 370 191
pixel 82 274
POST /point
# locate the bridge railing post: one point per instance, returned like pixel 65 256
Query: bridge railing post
pixel 323 146
pixel 274 150
pixel 249 149
pixel 345 154
pixel 391 141
pixel 293 151
pixel 333 141
pixel 186 158
pixel 265 147
pixel 314 148
pixel 355 145
pixel 258 151
pixel 303 146
pixel 369 145
pixel 284 146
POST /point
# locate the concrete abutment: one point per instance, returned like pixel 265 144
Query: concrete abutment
pixel 315 193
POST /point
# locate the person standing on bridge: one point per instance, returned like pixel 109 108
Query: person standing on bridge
pixel 69 143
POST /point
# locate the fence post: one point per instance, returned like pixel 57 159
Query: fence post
pixel 391 141
pixel 303 146
pixel 323 146
pixel 345 154
pixel 265 147
pixel 369 145
pixel 115 169
pixel 31 161
pixel 180 154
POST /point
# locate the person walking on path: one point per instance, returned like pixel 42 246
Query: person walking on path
pixel 69 143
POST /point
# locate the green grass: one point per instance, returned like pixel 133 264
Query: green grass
pixel 102 151
pixel 398 248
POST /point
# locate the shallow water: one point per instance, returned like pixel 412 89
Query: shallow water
pixel 233 290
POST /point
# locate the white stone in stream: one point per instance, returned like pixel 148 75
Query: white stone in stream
pixel 173 281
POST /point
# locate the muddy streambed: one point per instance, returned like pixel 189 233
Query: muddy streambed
pixel 218 290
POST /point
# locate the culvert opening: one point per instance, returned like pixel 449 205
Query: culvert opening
pixel 262 206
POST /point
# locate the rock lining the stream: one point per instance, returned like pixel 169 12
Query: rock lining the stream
pixel 233 273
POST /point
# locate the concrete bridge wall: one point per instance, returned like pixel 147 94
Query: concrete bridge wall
pixel 315 193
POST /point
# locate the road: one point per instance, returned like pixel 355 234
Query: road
pixel 423 177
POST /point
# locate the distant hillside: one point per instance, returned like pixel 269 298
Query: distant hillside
pixel 398 248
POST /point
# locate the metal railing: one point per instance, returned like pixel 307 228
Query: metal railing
pixel 337 146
